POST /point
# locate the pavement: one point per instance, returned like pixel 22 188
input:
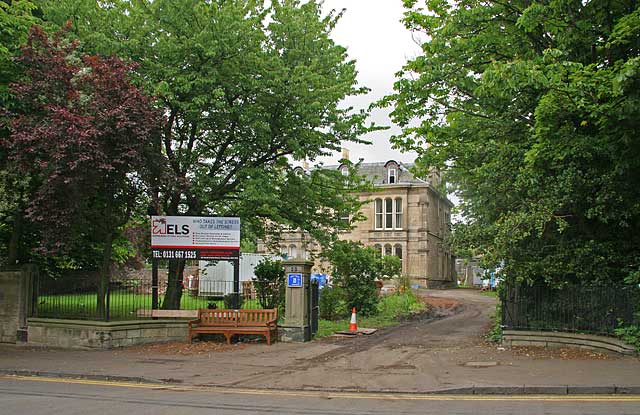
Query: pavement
pixel 439 352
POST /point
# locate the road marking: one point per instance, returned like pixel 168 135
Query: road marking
pixel 333 395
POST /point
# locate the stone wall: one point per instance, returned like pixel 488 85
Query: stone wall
pixel 78 334
pixel 559 339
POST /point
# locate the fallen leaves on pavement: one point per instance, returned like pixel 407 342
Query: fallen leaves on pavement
pixel 184 348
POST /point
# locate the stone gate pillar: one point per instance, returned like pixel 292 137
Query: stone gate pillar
pixel 16 302
pixel 296 326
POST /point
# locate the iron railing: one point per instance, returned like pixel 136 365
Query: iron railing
pixel 129 299
pixel 578 308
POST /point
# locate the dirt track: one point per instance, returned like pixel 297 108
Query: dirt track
pixel 457 320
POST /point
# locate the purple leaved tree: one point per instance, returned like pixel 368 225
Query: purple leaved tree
pixel 85 134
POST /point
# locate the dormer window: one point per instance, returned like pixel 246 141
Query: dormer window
pixel 344 169
pixel 392 171
pixel 392 175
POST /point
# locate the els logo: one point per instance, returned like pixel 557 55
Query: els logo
pixel 160 227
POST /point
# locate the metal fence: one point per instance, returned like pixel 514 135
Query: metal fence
pixel 129 299
pixel 585 309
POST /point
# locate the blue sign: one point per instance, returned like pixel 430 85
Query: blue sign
pixel 294 280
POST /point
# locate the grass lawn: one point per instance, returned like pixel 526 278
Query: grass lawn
pixel 390 309
pixel 122 305
pixel 490 293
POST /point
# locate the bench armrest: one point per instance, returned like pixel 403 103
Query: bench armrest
pixel 192 322
pixel 272 323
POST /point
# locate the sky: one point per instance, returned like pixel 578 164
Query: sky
pixel 375 38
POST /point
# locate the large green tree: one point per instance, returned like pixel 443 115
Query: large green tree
pixel 533 110
pixel 247 87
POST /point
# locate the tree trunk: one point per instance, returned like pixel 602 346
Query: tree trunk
pixel 173 295
pixel 16 233
pixel 104 278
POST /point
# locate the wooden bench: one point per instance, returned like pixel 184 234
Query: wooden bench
pixel 230 322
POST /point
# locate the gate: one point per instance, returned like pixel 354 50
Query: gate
pixel 314 306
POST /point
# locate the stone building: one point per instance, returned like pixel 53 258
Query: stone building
pixel 405 216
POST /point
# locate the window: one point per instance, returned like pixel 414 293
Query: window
pixel 388 214
pixel 344 171
pixel 398 251
pixel 293 252
pixel 378 248
pixel 387 250
pixel 392 175
pixel 378 224
pixel 344 217
pixel 398 213
pixel 303 252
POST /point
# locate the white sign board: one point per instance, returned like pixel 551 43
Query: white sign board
pixel 191 237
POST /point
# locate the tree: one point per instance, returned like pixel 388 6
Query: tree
pixel 16 17
pixel 533 109
pixel 246 88
pixel 84 132
pixel 269 283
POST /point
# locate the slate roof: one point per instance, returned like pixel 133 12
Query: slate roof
pixel 377 173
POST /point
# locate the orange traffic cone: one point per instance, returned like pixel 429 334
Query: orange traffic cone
pixel 353 326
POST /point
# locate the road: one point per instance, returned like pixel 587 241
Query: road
pixel 46 396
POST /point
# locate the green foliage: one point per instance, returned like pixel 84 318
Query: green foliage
pixel 630 335
pixel 355 269
pixel 332 303
pixel 248 89
pixel 391 309
pixel 233 301
pixel 16 18
pixel 390 267
pixel 269 283
pixel 532 110
pixel 495 335
pixel 403 283
pixel 399 304
pixel 247 246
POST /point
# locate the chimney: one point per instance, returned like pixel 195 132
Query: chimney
pixel 345 153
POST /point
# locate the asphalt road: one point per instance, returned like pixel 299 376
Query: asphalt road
pixel 65 396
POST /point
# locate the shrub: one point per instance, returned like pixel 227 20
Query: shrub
pixel 629 334
pixel 354 269
pixel 269 283
pixel 332 305
pixel 233 301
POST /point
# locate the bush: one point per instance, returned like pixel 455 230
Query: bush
pixel 629 334
pixel 233 301
pixel 332 305
pixel 355 269
pixel 269 283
